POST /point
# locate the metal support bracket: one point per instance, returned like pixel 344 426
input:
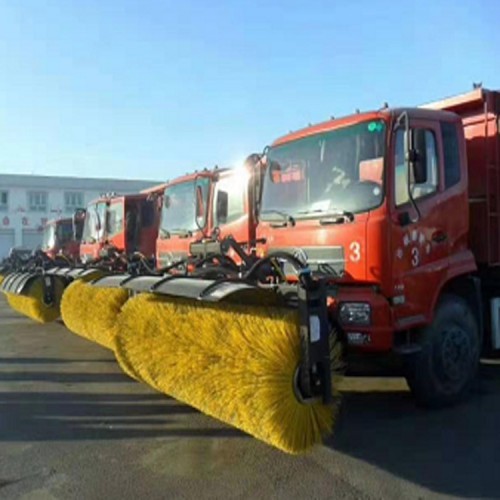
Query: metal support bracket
pixel 49 292
pixel 314 378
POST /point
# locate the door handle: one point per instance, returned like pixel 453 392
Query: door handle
pixel 439 237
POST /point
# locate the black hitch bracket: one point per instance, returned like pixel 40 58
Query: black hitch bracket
pixel 49 292
pixel 314 378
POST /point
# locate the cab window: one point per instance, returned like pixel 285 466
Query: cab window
pixel 65 232
pixel 148 212
pixel 236 188
pixel 451 150
pixel 115 219
pixel 425 145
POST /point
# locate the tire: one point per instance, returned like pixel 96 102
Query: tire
pixel 443 372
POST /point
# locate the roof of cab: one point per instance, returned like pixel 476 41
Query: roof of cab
pixel 382 114
pixel 196 175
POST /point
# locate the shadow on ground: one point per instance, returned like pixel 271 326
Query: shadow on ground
pixel 49 361
pixel 38 416
pixel 455 451
pixel 63 377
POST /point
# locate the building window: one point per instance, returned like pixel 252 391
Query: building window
pixel 37 201
pixel 4 200
pixel 73 200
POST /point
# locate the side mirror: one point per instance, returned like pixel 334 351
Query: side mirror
pixel 221 207
pixel 274 170
pixel 78 221
pixel 78 231
pixel 200 207
pixel 418 172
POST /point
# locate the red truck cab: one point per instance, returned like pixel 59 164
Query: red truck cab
pixel 127 223
pixel 192 211
pixel 379 203
pixel 61 237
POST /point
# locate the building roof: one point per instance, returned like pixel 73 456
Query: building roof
pixel 74 183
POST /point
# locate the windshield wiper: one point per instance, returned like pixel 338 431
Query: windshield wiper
pixel 182 233
pixel 330 215
pixel 287 218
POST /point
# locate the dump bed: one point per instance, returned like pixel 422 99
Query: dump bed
pixel 480 113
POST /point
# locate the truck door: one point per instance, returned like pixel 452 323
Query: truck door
pixel 419 247
pixel 147 223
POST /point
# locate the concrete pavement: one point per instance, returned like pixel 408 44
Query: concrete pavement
pixel 72 426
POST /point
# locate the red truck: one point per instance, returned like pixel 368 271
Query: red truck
pixel 60 246
pixel 121 223
pixel 379 229
pixel 61 237
pixel 206 206
pixel 401 207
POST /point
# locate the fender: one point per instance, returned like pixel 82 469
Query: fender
pixel 461 265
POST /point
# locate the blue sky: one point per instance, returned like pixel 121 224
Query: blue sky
pixel 155 88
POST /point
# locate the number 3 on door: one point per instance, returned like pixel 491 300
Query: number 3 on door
pixel 355 251
pixel 415 257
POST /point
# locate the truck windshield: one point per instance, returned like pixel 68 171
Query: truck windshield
pixel 185 207
pixel 49 237
pixel 330 172
pixel 93 228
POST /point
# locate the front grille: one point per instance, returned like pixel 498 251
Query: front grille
pixel 319 258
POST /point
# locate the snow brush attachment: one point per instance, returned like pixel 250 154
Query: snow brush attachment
pixel 91 311
pixel 267 367
pixel 36 296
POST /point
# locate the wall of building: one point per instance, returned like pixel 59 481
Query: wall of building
pixel 21 221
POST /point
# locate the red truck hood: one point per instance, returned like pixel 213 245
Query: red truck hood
pixel 172 249
pixel 90 251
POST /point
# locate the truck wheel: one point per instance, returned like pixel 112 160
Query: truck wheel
pixel 442 373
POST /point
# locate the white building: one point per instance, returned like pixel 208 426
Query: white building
pixel 28 201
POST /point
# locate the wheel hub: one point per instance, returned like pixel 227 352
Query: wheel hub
pixel 455 355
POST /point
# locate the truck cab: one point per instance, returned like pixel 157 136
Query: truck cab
pixel 203 206
pixel 378 203
pixel 61 237
pixel 127 224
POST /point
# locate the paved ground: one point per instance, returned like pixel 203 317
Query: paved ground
pixel 73 427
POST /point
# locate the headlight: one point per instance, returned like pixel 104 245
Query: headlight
pixel 355 313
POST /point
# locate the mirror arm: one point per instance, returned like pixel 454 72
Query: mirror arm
pixel 198 225
pixel 408 148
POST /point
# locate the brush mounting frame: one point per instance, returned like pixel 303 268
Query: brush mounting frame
pixel 49 289
pixel 314 376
